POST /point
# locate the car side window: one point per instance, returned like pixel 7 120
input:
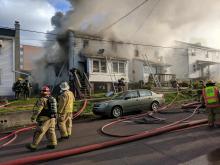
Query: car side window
pixel 131 95
pixel 144 93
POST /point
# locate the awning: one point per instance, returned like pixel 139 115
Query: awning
pixel 206 63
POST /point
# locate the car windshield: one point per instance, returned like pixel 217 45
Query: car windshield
pixel 119 96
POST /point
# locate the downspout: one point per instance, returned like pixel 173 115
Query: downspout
pixel 71 49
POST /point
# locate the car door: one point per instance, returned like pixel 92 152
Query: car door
pixel 146 99
pixel 131 101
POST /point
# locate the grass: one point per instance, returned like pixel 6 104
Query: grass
pixel 23 105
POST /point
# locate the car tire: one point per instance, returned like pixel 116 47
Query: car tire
pixel 116 112
pixel 154 106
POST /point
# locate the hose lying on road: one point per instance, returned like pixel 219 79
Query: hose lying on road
pixel 138 116
pixel 14 133
pixel 97 146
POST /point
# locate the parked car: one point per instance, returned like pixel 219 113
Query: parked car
pixel 129 101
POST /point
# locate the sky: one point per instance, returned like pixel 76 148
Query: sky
pixel 185 20
pixel 32 14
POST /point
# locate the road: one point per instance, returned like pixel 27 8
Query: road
pixel 193 146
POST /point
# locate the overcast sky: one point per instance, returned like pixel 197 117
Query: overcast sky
pixel 185 20
pixel 32 14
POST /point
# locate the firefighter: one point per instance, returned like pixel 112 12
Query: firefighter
pixel 44 112
pixel 199 90
pixel 121 85
pixel 65 110
pixel 26 89
pixel 211 98
pixel 17 88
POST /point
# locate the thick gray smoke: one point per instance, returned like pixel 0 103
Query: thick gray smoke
pixel 157 22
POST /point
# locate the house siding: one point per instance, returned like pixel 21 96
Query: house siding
pixel 6 67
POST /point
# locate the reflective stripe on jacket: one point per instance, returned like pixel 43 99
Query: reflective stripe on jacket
pixel 211 96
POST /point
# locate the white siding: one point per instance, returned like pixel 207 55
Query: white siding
pixel 106 77
pixel 6 66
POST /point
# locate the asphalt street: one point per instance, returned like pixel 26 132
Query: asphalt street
pixel 192 146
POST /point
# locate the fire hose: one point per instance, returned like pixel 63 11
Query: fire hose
pixel 97 146
pixel 138 116
pixel 55 155
pixel 14 133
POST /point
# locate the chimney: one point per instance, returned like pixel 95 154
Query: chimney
pixel 17 48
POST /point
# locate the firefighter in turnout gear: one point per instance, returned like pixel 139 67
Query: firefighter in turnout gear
pixel 26 89
pixel 17 88
pixel 211 98
pixel 65 109
pixel 44 112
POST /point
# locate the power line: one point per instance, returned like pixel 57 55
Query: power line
pixel 117 42
pixel 121 18
pixel 147 16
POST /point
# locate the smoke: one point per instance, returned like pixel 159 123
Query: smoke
pixel 157 22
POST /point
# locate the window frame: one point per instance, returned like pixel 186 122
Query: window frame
pixel 118 67
pixel 100 66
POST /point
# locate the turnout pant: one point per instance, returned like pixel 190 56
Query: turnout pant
pixel 65 124
pixel 213 115
pixel 46 127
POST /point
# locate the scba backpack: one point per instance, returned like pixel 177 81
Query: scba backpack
pixel 52 106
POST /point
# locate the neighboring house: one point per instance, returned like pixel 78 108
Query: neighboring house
pixel 9 41
pixel 193 61
pixel 29 55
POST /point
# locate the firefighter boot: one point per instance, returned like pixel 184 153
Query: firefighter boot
pixel 31 147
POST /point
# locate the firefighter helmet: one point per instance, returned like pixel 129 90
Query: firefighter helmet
pixel 64 86
pixel 45 90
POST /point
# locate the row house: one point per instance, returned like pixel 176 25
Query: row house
pixel 194 61
pixel 9 58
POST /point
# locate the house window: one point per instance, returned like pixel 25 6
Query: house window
pixel 103 66
pixel 85 43
pixel 96 66
pixel 115 67
pixel 121 67
pixel 99 66
pixel 207 55
pixel 118 67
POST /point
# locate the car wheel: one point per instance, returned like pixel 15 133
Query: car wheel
pixel 154 106
pixel 116 112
